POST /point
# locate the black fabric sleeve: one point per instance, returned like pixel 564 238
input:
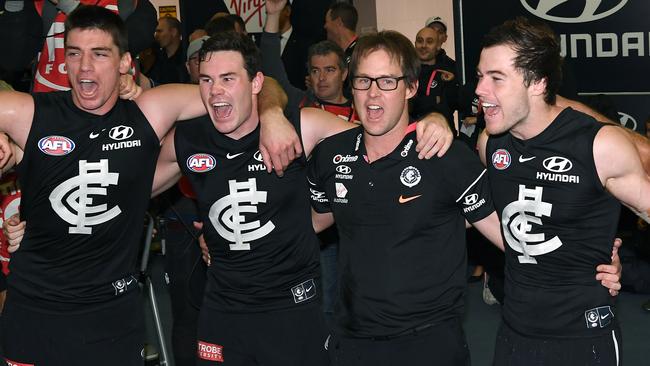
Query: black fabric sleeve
pixel 141 25
pixel 20 37
pixel 317 195
pixel 272 66
pixel 467 180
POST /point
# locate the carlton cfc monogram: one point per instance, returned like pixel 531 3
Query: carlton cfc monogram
pixel 227 215
pixel 76 209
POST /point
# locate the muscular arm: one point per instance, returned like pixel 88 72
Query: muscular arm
pixel 317 125
pixel 167 170
pixel 641 143
pixel 16 114
pixel 620 169
pixel 279 142
pixel 169 103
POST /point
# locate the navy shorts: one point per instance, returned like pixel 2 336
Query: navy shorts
pixel 294 337
pixel 112 335
pixel 515 349
pixel 439 344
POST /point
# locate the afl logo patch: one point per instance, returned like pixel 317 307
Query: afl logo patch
pixel 501 159
pixel 201 163
pixel 56 145
pixel 410 176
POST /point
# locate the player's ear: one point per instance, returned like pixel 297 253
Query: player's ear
pixel 257 82
pixel 125 63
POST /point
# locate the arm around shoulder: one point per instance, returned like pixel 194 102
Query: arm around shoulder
pixel 169 103
pixel 167 170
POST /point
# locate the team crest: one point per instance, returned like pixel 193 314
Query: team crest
pixel 201 163
pixel 501 159
pixel 410 176
pixel 56 145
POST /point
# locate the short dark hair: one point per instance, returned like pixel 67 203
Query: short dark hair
pixel 233 41
pixel 173 23
pixel 219 25
pixel 239 20
pixel 86 17
pixel 398 47
pixel 324 48
pixel 348 14
pixel 537 51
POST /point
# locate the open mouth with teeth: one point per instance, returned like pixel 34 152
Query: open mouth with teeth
pixel 374 111
pixel 222 109
pixel 490 109
pixel 87 86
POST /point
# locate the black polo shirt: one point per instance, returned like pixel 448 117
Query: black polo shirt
pixel 401 223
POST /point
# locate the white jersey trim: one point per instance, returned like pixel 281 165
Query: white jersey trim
pixel 471 185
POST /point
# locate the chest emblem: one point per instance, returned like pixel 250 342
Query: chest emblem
pixel 410 176
pixel 72 200
pixel 228 215
pixel 518 220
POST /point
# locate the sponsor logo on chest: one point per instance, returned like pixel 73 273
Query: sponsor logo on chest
pixel 259 166
pixel 557 170
pixel 120 135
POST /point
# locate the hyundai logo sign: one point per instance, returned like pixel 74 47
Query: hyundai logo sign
pixel 591 11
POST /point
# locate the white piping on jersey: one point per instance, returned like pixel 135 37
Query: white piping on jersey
pixel 615 347
pixel 471 185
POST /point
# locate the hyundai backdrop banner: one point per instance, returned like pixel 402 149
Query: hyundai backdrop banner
pixel 605 42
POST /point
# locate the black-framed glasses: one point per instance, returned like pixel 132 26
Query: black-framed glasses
pixel 385 83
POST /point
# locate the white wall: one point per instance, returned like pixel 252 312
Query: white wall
pixel 408 17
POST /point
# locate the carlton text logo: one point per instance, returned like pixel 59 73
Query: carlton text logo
pixel 120 133
pixel 56 145
pixel 558 11
pixel 557 164
pixel 200 163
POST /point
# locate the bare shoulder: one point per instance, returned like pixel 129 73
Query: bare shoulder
pixel 16 115
pixel 614 152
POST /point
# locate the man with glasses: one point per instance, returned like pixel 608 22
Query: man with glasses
pixel 401 223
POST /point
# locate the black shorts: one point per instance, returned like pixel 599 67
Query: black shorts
pixel 515 349
pixel 112 335
pixel 441 344
pixel 293 337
